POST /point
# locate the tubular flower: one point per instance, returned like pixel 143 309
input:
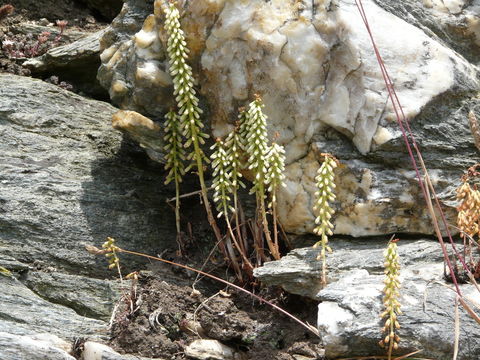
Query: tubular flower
pixel 391 298
pixel 274 176
pixel 323 210
pixel 234 153
pixel 256 143
pixel 174 151
pixel 185 95
pixel 222 184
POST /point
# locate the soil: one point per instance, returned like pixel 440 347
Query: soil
pixel 168 315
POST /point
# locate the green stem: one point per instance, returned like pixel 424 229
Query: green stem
pixel 392 329
pixel 324 259
pixel 203 187
pixel 274 215
pixel 177 202
pixel 261 197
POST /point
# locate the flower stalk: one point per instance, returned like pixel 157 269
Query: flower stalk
pixel 391 299
pixel 274 179
pixel 235 159
pixel 323 210
pixel 187 101
pixel 174 159
pixel 254 134
pixel 223 188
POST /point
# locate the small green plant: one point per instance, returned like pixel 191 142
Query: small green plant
pixel 225 183
pixel 391 299
pixel 255 140
pixel 174 159
pixel 187 101
pixel 249 140
pixel 223 188
pixel 274 179
pixel 323 210
pixel 235 158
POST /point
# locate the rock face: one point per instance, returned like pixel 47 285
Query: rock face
pixel 348 315
pixel 314 67
pixel 33 347
pixel 68 180
pixel 76 62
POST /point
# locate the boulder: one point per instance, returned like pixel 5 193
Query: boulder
pixel 70 180
pixel 350 305
pixel 23 312
pixel 314 67
pixel 93 298
pixel 299 271
pixel 36 347
pixel 76 63
pixel 455 23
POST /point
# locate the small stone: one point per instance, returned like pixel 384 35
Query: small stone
pixel 209 350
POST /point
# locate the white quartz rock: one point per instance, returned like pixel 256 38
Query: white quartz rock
pixel 315 69
pixel 204 349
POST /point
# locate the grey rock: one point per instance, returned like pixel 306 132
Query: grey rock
pixel 35 30
pixel 25 313
pixel 93 298
pixel 37 347
pixel 117 73
pixel 11 264
pixel 450 22
pixel 69 180
pixel 76 63
pixel 299 272
pixel 349 321
pixel 348 315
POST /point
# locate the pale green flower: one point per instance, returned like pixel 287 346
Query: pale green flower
pixel 391 298
pixel 274 176
pixel 323 210
pixel 254 134
pixel 222 184
pixel 174 151
pixel 185 95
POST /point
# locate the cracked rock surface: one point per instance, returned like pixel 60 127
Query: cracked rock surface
pixel 313 65
pixel 68 180
pixel 351 303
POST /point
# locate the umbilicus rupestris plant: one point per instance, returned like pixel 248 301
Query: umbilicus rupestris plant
pixel 323 210
pixel 189 112
pixel 391 299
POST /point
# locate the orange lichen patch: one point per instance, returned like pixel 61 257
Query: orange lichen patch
pixel 129 120
pixel 141 128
